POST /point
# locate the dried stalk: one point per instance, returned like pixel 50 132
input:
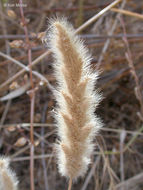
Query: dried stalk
pixel 70 184
pixel 128 13
pixel 128 55
pixel 22 71
pixel 95 17
pixel 32 99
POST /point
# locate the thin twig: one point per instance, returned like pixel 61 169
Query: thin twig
pixel 28 146
pixel 85 36
pixel 13 36
pixel 22 71
pixel 128 55
pixel 27 125
pixel 22 150
pixel 138 93
pixel 5 113
pixel 10 19
pixel 122 139
pixel 95 17
pixel 107 43
pixel 43 147
pixel 70 184
pixel 131 183
pixel 32 98
pixel 133 138
pixel 47 125
pixel 14 61
pixel 9 72
pixel 129 13
pixel 26 68
pixel 24 158
pixel 67 9
pixel 111 172
pixel 91 173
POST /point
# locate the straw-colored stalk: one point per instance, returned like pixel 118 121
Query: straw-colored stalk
pixel 76 98
pixel 8 179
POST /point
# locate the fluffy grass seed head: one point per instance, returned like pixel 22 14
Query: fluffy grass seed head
pixel 8 180
pixel 76 99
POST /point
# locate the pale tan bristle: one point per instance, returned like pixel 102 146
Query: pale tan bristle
pixel 76 99
pixel 8 179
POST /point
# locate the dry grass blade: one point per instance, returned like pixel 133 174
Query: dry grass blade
pixel 26 68
pixel 133 183
pixel 95 17
pixel 36 61
pixel 128 13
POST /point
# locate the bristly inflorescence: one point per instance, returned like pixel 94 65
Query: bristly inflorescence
pixel 8 180
pixel 76 99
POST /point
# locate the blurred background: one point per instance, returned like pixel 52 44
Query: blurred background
pixel 115 41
